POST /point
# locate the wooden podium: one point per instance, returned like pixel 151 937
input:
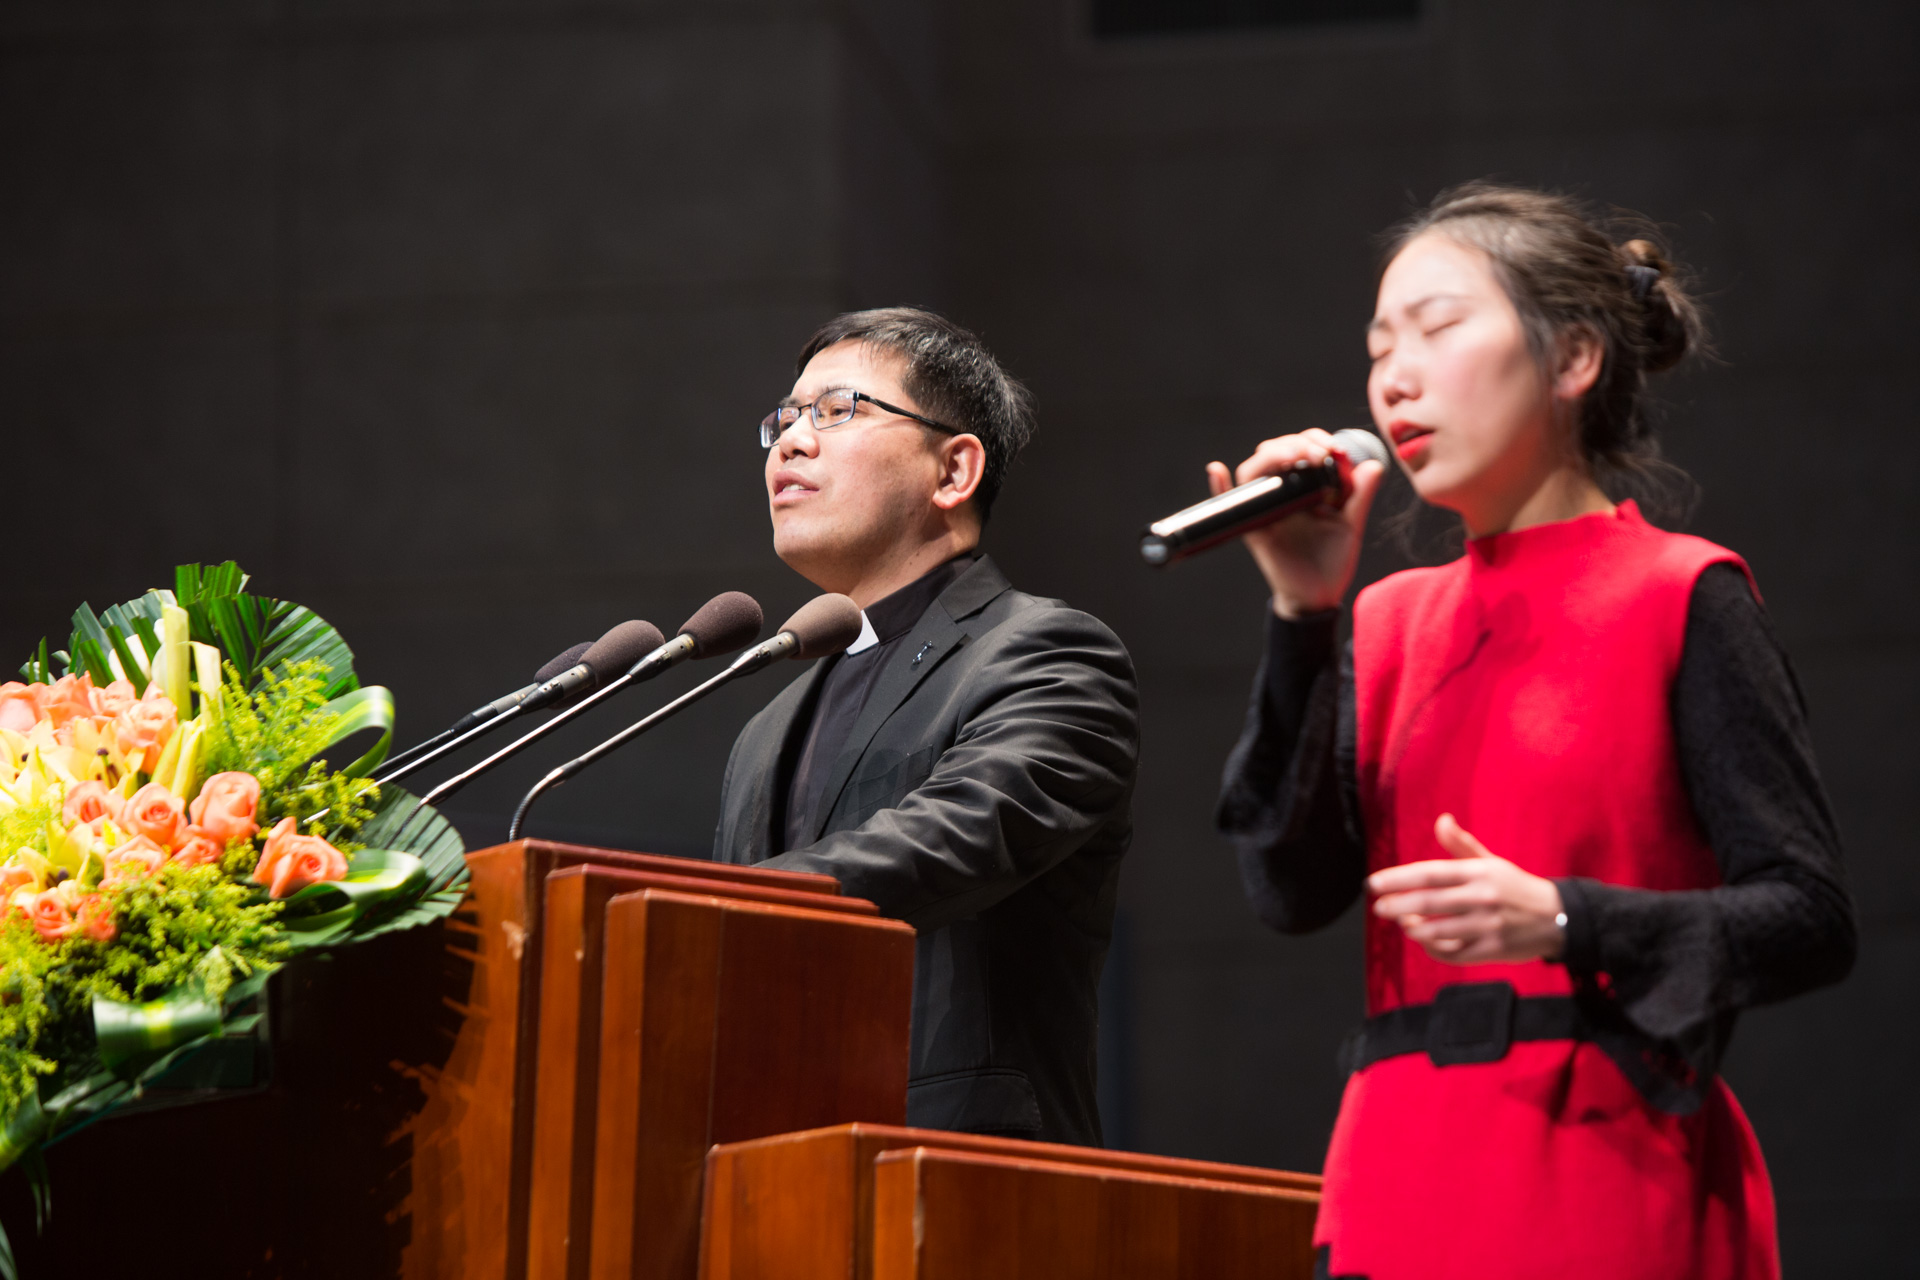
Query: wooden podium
pixel 879 1202
pixel 737 993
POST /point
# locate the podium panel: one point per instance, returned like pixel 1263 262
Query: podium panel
pixel 800 1206
pixel 953 1215
pixel 471 1141
pixel 560 1202
pixel 732 1020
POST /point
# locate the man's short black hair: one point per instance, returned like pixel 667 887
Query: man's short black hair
pixel 951 376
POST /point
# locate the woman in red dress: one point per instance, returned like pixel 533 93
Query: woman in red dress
pixel 1569 769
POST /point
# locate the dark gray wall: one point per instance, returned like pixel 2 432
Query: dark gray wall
pixel 452 320
pixel 1173 241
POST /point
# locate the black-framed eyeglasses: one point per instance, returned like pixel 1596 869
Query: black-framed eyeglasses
pixel 834 409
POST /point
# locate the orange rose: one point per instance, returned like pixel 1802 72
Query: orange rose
pixel 143 729
pixel 137 857
pixel 69 696
pixel 12 878
pixel 90 804
pixel 20 705
pixel 198 849
pixel 290 862
pixel 114 699
pixel 50 915
pixel 93 918
pixel 157 813
pixel 225 807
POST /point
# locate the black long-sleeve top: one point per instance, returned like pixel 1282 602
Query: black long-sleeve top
pixel 1669 970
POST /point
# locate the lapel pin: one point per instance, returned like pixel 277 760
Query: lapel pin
pixel 923 653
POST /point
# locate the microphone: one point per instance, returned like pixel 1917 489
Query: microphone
pixel 480 715
pixel 823 625
pixel 558 663
pixel 613 652
pixel 1261 502
pixel 721 625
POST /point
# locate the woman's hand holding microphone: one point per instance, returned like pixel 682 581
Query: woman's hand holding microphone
pixel 1471 906
pixel 1307 558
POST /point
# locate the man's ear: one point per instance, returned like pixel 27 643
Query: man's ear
pixel 1582 353
pixel 963 463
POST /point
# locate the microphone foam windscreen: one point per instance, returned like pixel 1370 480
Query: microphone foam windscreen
pixel 620 648
pixel 1360 445
pixel 731 620
pixel 823 625
pixel 562 661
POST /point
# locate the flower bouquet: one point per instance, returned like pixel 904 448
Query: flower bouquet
pixel 171 831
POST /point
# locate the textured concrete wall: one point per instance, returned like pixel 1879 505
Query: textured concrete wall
pixel 452 321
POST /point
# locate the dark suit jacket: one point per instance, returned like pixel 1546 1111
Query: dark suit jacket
pixel 983 797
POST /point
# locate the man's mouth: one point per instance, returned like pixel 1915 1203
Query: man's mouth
pixel 789 486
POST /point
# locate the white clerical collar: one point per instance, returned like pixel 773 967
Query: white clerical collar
pixel 868 636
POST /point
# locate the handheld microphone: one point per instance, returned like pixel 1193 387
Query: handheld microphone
pixel 1261 502
pixel 721 625
pixel 613 652
pixel 823 625
pixel 481 715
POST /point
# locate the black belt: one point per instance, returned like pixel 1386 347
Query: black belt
pixel 1467 1022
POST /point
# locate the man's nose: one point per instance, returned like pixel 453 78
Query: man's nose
pixel 799 440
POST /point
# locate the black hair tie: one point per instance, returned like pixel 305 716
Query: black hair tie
pixel 1640 279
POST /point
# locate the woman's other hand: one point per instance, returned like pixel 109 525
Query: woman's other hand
pixel 1474 907
pixel 1307 558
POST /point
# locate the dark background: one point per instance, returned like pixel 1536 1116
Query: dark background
pixel 452 320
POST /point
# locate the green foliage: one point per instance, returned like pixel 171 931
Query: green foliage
pixel 26 824
pixel 24 964
pixel 241 857
pixel 38 668
pixel 181 925
pixel 275 733
pixel 259 635
pixel 95 636
pixel 348 803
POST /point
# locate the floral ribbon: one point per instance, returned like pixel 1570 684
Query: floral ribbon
pixel 131 1033
pixel 374 877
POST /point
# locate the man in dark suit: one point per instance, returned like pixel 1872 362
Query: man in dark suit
pixel 968 764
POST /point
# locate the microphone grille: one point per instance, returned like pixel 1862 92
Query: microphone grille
pixel 731 620
pixel 1360 445
pixel 620 648
pixel 823 625
pixel 562 661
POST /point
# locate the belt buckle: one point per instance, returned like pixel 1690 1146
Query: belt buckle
pixel 1470 1022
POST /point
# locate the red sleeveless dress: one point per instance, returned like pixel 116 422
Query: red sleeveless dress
pixel 1524 688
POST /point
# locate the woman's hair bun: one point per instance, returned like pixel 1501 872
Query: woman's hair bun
pixel 1669 320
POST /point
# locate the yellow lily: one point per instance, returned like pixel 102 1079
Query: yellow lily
pixel 172 662
pixel 206 667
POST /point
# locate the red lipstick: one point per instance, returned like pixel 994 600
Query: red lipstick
pixel 1409 439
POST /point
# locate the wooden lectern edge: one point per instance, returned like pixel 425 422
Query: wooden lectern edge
pixel 1082 1169
pixel 798 881
pixel 657 894
pixel 1043 1152
pixel 737 891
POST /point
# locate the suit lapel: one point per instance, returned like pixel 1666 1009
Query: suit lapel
pixel 939 633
